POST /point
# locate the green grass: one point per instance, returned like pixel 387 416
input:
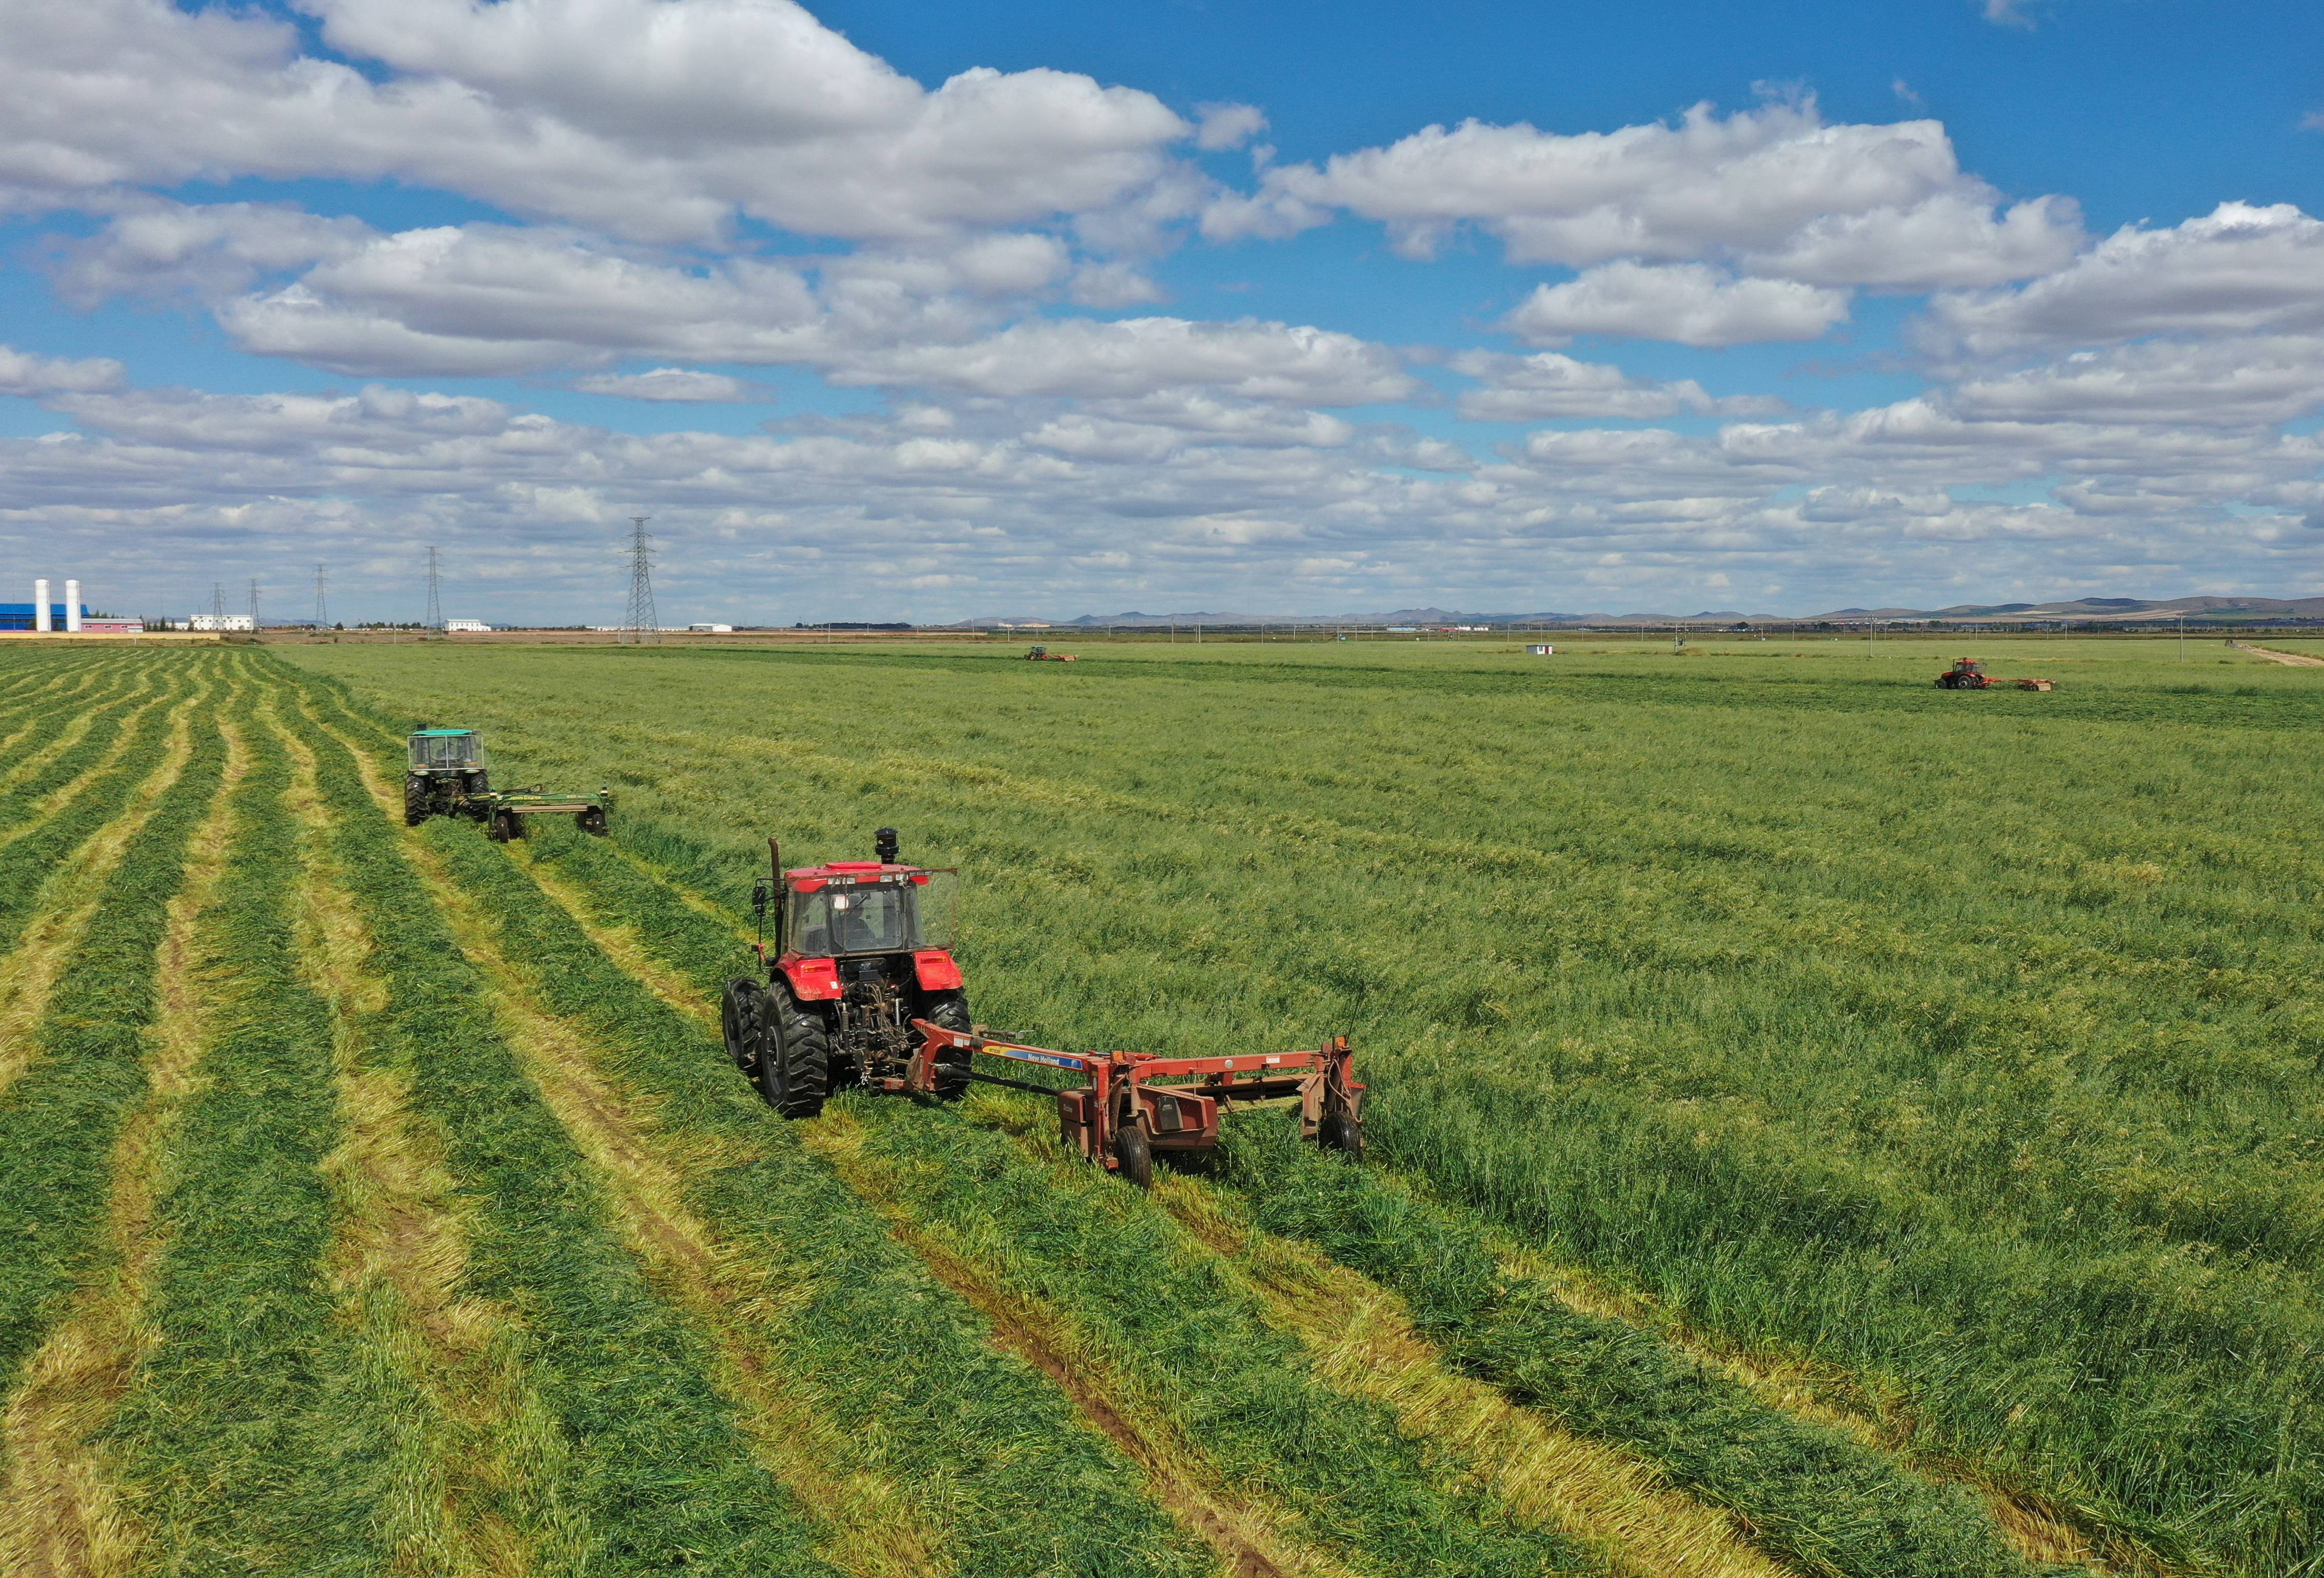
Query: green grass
pixel 58 1120
pixel 1969 1043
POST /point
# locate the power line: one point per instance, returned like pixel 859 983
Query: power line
pixel 322 610
pixel 640 625
pixel 435 596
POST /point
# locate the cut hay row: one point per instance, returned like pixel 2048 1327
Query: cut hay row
pixel 467 1430
pixel 54 914
pixel 65 1260
pixel 36 696
pixel 65 719
pixel 1360 1338
pixel 638 1462
pixel 1815 1493
pixel 880 1373
pixel 73 746
pixel 1123 1293
pixel 60 1513
pixel 235 1450
pixel 30 816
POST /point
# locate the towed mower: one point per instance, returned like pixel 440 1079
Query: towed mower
pixel 1968 674
pixel 444 776
pixel 859 990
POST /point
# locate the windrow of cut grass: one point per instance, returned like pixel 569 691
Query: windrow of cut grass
pixel 1129 1295
pixel 61 1512
pixel 235 1452
pixel 473 1481
pixel 646 1460
pixel 79 738
pixel 83 1077
pixel 1967 1045
pixel 43 692
pixel 124 734
pixel 872 1377
pixel 43 925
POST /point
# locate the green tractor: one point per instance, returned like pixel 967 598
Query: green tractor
pixel 445 776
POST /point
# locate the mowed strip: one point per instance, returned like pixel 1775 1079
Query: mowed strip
pixel 473 1449
pixel 640 1463
pixel 34 697
pixel 75 745
pixel 872 1377
pixel 56 799
pixel 68 899
pixel 235 1452
pixel 59 1512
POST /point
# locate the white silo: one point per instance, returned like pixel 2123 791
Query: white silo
pixel 41 604
pixel 72 607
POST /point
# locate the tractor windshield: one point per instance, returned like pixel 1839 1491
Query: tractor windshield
pixel 447 749
pixel 893 914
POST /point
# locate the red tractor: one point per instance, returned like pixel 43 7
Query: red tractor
pixel 861 950
pixel 1966 674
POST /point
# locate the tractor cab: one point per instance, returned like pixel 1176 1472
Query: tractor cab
pixel 860 950
pixel 1966 674
pixel 458 752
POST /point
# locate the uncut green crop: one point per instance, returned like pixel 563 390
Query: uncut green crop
pixel 1968 1041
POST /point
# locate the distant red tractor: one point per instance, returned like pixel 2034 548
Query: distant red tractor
pixel 861 949
pixel 1968 674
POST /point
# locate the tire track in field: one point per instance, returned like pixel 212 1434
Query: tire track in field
pixel 63 1514
pixel 72 733
pixel 1361 1341
pixel 401 1249
pixel 1255 1539
pixel 70 895
pixel 876 1531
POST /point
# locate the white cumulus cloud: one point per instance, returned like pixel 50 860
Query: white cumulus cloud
pixel 23 373
pixel 677 384
pixel 1690 303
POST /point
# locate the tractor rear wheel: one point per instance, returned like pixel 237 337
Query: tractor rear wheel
pixel 794 1058
pixel 1338 1132
pixel 950 1010
pixel 1134 1155
pixel 743 1015
pixel 415 800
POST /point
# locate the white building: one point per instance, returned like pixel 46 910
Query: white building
pixel 224 622
pixel 710 630
pixel 465 627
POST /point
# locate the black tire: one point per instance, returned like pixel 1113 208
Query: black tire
pixel 415 800
pixel 1134 1155
pixel 1338 1132
pixel 476 783
pixel 593 820
pixel 743 1015
pixel 496 827
pixel 794 1058
pixel 950 1010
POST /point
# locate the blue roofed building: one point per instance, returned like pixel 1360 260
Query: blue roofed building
pixel 22 616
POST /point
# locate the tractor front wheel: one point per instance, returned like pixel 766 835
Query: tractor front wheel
pixel 1134 1155
pixel 415 801
pixel 742 1015
pixel 794 1058
pixel 950 1010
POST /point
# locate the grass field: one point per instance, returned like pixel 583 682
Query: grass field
pixel 1821 1124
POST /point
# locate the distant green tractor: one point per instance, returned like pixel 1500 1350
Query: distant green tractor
pixel 445 776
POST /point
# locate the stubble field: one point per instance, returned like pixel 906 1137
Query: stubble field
pixel 1820 1124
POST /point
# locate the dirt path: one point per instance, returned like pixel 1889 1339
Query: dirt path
pixel 2289 659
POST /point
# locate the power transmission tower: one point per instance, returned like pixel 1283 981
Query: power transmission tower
pixel 253 603
pixel 435 597
pixel 217 601
pixel 640 625
pixel 322 611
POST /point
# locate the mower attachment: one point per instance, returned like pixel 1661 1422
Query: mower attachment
pixel 1138 1103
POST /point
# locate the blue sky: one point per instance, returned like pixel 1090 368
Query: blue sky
pixel 885 310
